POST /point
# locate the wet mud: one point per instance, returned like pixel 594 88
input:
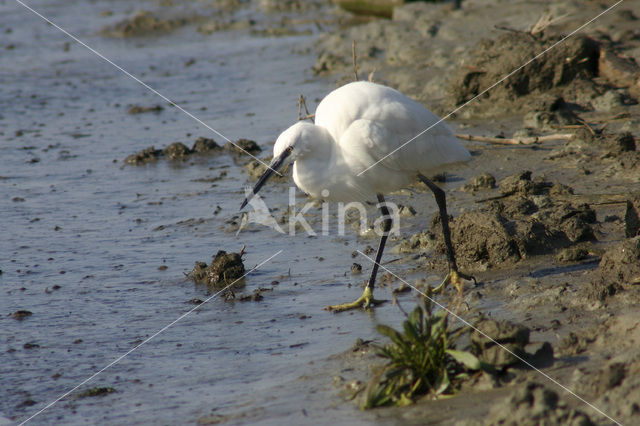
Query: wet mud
pixel 201 147
pixel 174 151
pixel 559 243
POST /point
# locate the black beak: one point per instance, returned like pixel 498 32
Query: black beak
pixel 275 165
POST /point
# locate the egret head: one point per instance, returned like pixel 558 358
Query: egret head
pixel 287 148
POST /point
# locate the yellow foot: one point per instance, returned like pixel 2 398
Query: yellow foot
pixel 365 301
pixel 453 277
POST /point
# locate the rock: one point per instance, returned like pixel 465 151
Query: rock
pixel 356 268
pixel 512 336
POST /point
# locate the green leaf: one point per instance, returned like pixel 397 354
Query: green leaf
pixel 442 384
pixel 385 330
pixel 416 317
pixel 465 358
pixel 410 331
pixel 489 368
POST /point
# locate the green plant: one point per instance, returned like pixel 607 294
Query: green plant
pixel 422 359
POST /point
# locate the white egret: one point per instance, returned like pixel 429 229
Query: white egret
pixel 369 140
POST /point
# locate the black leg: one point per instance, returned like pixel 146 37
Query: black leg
pixel 454 275
pixel 444 219
pixel 386 227
pixel 367 300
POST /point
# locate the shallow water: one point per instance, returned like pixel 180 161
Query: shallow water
pixel 84 235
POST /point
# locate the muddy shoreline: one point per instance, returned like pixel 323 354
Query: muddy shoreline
pixel 560 249
pixel 549 230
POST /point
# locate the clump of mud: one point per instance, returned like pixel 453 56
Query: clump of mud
pixel 491 60
pixel 255 169
pixel 489 332
pixel 21 314
pixel 616 386
pixel 532 405
pixel 142 23
pixel 97 391
pixel 179 151
pixel 632 218
pixel 243 146
pixel 224 269
pixel 139 109
pixel 618 270
pixel 432 53
pixel 479 183
pixel 531 217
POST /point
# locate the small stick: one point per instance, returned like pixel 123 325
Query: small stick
pixel 591 199
pixel 502 27
pixel 353 57
pixel 585 124
pixel 519 141
pixel 302 102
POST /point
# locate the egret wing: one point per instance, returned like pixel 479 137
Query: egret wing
pixel 377 124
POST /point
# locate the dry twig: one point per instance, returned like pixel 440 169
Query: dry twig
pixel 544 21
pixel 531 140
pixel 303 103
pixel 353 57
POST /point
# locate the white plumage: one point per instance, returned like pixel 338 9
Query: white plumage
pixel 358 125
pixel 369 140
